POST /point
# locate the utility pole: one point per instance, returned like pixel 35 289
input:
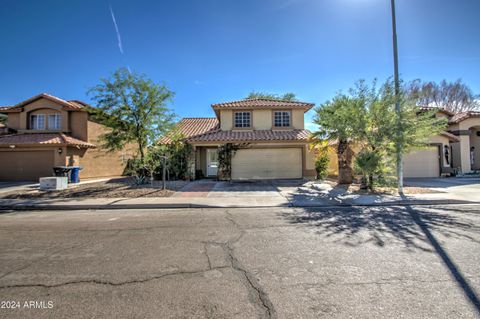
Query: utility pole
pixel 397 102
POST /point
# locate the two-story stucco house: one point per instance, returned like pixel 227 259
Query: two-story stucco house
pixel 454 151
pixel 46 131
pixel 273 130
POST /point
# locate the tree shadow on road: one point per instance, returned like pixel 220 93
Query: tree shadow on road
pixel 411 226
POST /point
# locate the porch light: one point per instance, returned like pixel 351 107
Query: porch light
pixel 11 146
pixel 60 150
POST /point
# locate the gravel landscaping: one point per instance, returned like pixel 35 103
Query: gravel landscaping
pixel 354 188
pixel 118 188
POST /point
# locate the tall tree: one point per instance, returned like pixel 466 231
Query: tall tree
pixel 366 117
pixel 263 95
pixel 455 97
pixel 134 108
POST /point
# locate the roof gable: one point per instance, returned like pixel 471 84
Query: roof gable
pixel 73 105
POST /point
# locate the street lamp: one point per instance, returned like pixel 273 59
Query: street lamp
pixel 397 101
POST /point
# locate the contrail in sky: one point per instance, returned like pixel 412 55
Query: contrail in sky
pixel 116 29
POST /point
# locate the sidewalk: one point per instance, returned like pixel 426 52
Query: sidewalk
pixel 228 202
pixel 217 194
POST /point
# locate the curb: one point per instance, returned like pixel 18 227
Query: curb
pixel 20 207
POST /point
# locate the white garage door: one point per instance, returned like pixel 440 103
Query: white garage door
pixel 268 163
pixel 422 163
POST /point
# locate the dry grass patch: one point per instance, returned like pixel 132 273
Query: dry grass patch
pixel 118 188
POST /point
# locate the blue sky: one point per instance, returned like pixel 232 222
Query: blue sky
pixel 211 51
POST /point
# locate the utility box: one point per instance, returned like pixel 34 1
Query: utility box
pixel 54 183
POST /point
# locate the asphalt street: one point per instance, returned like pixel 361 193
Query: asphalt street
pixel 349 262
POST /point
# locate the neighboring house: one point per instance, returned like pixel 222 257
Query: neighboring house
pixel 451 150
pixel 277 142
pixel 48 132
pixel 447 153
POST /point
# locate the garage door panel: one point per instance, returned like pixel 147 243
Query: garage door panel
pixel 25 165
pixel 422 163
pixel 273 163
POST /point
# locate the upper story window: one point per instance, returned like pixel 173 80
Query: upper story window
pixel 54 121
pixel 281 119
pixel 37 122
pixel 242 119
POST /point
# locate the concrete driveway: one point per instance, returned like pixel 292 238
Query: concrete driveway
pixel 371 262
pixel 301 193
pixel 239 189
pixel 468 187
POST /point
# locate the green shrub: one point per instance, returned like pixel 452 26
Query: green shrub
pixel 321 165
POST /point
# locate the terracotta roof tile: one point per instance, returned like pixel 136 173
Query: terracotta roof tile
pixel 256 135
pixel 192 126
pixel 457 118
pixel 43 139
pixel 262 103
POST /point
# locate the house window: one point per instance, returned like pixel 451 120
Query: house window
pixel 54 121
pixel 281 119
pixel 37 122
pixel 242 119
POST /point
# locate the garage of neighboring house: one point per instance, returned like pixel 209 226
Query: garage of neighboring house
pixel 422 163
pixel 26 165
pixel 267 163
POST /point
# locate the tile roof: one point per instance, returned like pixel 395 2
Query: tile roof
pixel 192 126
pixel 72 105
pixel 256 135
pixel 457 118
pixel 263 103
pixel 43 139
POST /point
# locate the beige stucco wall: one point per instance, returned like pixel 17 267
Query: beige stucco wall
pixel 475 142
pixel 99 162
pixel 13 120
pixel 468 123
pixel 445 142
pixel 298 121
pixel 78 125
pixel 467 129
pixel 42 106
pixel 226 118
pixel 261 119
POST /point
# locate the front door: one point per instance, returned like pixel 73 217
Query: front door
pixel 212 161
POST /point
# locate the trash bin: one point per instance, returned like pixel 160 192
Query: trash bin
pixel 75 174
pixel 61 171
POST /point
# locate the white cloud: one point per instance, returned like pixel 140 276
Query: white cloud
pixel 119 38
